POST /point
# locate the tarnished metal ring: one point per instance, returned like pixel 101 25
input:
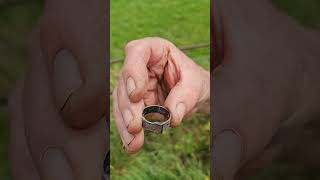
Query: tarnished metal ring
pixel 156 126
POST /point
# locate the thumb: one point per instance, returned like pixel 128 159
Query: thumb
pixel 180 101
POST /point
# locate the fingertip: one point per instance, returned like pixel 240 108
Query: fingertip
pixel 177 113
pixel 136 143
pixel 135 126
pixel 175 122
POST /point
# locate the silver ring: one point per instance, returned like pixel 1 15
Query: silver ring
pixel 156 125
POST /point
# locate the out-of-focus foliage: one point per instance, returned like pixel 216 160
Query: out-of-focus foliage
pixel 16 21
pixel 182 153
pixel 306 12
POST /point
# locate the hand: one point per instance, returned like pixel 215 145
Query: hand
pixel 80 29
pixel 253 88
pixel 156 72
pixel 41 145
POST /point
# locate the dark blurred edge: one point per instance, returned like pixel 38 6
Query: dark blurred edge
pixel 107 158
pixel 12 3
pixel 297 166
pixel 212 62
pixel 4 100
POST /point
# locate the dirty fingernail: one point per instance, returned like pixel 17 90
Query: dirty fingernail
pixel 127 138
pixel 127 116
pixel 130 85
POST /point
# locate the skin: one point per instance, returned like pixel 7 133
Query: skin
pixel 57 107
pixel 266 88
pixel 251 71
pixel 42 146
pixel 156 72
pixel 65 26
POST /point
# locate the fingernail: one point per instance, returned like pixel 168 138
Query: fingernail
pixel 127 116
pixel 130 85
pixel 126 137
pixel 181 108
pixel 55 165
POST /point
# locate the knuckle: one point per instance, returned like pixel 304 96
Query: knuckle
pixel 138 45
pixel 126 70
pixel 132 44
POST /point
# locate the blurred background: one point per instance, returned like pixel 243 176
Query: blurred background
pixel 181 153
pixel 17 18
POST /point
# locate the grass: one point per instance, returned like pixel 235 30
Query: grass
pixel 306 12
pixel 16 21
pixel 4 136
pixel 183 152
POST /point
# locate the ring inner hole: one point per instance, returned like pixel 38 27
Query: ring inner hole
pixel 154 117
pixel 156 114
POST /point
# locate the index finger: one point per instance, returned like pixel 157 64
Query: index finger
pixel 143 58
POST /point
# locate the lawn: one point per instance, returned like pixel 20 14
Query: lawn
pixel 181 153
pixel 16 21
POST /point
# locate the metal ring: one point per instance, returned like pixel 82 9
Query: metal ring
pixel 156 126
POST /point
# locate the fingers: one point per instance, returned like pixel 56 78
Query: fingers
pixel 141 55
pixel 131 143
pixel 21 164
pixel 66 77
pixel 85 39
pixel 188 93
pixel 180 101
pixel 86 105
pixel 41 112
pixel 130 111
pixel 137 82
pixel 152 68
pixel 55 165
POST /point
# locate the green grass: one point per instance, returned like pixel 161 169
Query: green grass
pixel 16 22
pixel 306 12
pixel 4 140
pixel 183 152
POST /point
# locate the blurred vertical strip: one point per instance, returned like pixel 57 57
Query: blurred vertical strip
pixel 212 66
pixel 217 36
pixel 107 157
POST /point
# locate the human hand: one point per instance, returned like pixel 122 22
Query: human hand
pixel 156 72
pixel 80 29
pixel 251 86
pixel 41 145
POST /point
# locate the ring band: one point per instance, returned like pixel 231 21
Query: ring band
pixel 156 126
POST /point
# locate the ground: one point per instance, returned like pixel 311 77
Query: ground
pixel 181 153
